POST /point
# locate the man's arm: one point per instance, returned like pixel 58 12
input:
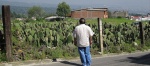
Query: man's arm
pixel 91 33
pixel 75 41
pixel 90 39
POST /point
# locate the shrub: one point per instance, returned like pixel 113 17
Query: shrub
pixel 2 57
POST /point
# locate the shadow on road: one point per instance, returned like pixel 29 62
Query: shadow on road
pixel 70 63
pixel 141 59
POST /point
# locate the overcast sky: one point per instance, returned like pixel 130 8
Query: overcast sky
pixel 91 2
pixel 116 4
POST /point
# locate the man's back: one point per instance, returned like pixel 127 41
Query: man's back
pixel 82 32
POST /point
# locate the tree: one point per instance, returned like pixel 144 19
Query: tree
pixel 15 15
pixel 36 12
pixel 63 9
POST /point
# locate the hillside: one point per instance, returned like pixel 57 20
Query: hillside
pixel 22 8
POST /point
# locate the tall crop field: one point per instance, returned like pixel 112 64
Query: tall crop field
pixel 40 40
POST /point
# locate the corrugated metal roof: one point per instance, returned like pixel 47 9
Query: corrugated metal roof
pixel 93 9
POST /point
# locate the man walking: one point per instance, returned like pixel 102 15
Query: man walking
pixel 83 39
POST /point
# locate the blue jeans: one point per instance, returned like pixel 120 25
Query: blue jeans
pixel 85 55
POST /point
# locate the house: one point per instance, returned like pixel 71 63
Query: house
pixel 120 14
pixel 90 13
pixel 136 18
pixel 140 18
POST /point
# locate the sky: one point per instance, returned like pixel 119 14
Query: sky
pixel 136 5
pixel 90 2
pixel 94 3
pixel 86 1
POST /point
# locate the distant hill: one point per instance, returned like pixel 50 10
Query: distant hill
pixel 22 8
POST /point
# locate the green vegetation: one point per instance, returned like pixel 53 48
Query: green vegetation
pixel 117 20
pixel 63 9
pixel 114 21
pixel 40 40
pixel 2 57
pixel 36 11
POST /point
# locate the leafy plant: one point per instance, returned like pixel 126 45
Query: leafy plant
pixel 2 57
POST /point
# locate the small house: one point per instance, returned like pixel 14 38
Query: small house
pixel 90 13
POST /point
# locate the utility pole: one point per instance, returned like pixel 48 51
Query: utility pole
pixel 7 30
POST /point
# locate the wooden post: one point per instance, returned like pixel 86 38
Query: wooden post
pixel 100 34
pixel 7 30
pixel 141 33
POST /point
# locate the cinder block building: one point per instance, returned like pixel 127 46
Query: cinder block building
pixel 90 13
pixel 120 14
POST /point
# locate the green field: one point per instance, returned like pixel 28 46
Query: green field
pixel 108 20
pixel 117 20
pixel 55 38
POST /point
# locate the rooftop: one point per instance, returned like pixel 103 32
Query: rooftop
pixel 93 9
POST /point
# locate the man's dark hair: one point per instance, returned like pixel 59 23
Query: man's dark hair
pixel 82 21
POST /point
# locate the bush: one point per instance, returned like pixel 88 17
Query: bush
pixel 57 53
pixel 119 17
pixel 3 57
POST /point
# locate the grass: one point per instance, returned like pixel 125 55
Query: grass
pixel 109 20
pixel 117 20
pixel 0 20
pixel 93 21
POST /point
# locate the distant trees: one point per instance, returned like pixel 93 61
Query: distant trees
pixel 135 14
pixel 63 9
pixel 36 11
pixel 16 15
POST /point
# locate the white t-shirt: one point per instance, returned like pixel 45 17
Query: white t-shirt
pixel 82 33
